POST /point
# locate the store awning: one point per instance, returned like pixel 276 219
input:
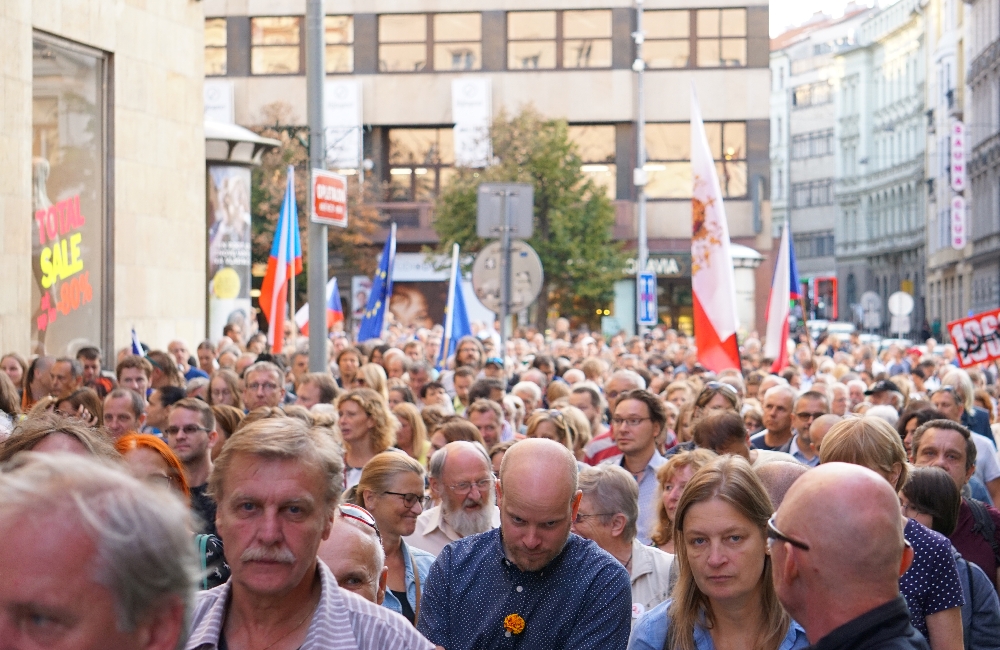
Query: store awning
pixel 744 256
pixel 235 145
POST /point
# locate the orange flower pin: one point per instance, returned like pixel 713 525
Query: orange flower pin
pixel 514 624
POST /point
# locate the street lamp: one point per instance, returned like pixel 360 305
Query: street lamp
pixel 639 174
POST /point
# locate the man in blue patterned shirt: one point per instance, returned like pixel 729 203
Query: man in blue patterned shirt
pixel 530 583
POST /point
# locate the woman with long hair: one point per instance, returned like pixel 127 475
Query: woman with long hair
pixel 372 375
pixel 673 476
pixel 14 366
pixel 412 434
pixel 366 427
pixel 724 596
pixel 225 387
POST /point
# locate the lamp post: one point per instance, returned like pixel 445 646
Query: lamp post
pixel 639 174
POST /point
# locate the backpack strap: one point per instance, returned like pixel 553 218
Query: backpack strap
pixel 202 540
pixel 984 526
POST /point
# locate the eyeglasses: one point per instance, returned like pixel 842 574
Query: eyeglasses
pixel 465 487
pixel 632 422
pixel 360 514
pixel 409 499
pixel 774 533
pixel 809 416
pixel 268 387
pixel 189 429
pixel 580 516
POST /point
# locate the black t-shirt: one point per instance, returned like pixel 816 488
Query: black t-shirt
pixel 404 603
pixel 204 508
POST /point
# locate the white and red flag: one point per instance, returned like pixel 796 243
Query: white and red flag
pixel 713 285
pixel 784 292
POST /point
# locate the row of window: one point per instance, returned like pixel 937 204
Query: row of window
pixel 812 94
pixel 421 161
pixel 812 145
pixel 814 245
pixel 812 193
pixel 536 40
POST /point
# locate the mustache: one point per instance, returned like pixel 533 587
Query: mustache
pixel 264 554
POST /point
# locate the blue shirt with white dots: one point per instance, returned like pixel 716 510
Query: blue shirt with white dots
pixel 581 600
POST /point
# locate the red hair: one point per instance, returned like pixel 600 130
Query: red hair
pixel 132 441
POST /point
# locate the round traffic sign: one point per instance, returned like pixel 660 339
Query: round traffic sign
pixel 900 304
pixel 525 273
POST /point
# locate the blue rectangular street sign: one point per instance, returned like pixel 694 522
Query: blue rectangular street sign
pixel 647 299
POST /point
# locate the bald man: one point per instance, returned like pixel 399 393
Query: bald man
pixel 838 551
pixel 819 428
pixel 354 554
pixel 531 578
pixel 778 477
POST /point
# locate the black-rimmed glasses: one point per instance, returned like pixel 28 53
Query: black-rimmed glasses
pixel 409 499
pixel 358 513
pixel 774 533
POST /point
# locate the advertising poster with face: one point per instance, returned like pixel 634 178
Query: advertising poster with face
pixel 228 247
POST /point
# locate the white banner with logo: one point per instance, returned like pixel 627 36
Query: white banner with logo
pixel 471 110
pixel 342 121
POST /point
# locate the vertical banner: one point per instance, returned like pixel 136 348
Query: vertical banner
pixel 342 123
pixel 228 248
pixel 471 110
pixel 219 102
pixel 959 230
pixel 958 156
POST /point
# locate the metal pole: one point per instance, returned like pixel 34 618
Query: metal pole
pixel 315 78
pixel 504 275
pixel 639 177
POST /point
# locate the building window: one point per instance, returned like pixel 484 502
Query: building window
pixel 812 193
pixel 420 42
pixel 339 43
pixel 812 145
pixel 812 94
pixel 697 38
pixel 215 47
pixel 274 45
pixel 596 148
pixel 421 163
pixel 668 147
pixel 545 40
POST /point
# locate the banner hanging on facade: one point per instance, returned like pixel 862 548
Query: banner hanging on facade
pixel 471 109
pixel 228 248
pixel 342 123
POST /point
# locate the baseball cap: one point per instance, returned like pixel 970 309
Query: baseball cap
pixel 915 351
pixel 881 387
pixel 497 361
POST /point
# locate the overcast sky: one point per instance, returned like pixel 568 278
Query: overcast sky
pixel 791 13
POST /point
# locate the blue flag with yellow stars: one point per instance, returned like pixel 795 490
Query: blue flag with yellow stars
pixel 378 299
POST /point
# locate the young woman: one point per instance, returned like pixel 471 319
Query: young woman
pixel 366 427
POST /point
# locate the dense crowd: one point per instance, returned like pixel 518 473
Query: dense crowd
pixel 570 491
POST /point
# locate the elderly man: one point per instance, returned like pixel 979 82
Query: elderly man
pixel 488 418
pixel 264 385
pixel 535 581
pixel 609 510
pixel 530 394
pixel 277 485
pixel 837 552
pixel 354 554
pixel 885 392
pixel 819 428
pixel 67 376
pixel 178 350
pixel 809 407
pixel 777 407
pixel 191 435
pixel 602 446
pixel 841 401
pixel 93 558
pixel 462 474
pixel 949 445
pixel 856 390
pixel 124 411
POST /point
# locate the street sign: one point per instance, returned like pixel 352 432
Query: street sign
pixel 526 276
pixel 329 198
pixel 517 198
pixel 647 299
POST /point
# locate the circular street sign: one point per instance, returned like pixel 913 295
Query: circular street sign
pixel 525 274
pixel 900 304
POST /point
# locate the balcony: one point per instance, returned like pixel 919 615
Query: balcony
pixel 982 63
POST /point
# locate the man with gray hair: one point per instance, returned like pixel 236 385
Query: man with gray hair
pixel 530 394
pixel 609 511
pixel 277 484
pixel 603 446
pixel 461 472
pixel 126 579
pixel 777 408
pixel 263 385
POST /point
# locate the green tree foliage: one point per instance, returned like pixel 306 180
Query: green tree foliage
pixel 573 215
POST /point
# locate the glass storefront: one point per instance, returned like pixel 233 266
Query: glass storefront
pixel 69 198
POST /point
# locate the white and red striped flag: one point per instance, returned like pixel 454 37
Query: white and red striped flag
pixel 713 285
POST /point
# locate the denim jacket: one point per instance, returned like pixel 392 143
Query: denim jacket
pixel 423 560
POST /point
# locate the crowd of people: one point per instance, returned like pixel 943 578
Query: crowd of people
pixel 569 491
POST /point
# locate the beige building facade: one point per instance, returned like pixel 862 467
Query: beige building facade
pixel 102 190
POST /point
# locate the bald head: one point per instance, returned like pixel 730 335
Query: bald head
pixel 540 462
pixel 355 556
pixel 778 477
pixel 849 517
pixel 819 428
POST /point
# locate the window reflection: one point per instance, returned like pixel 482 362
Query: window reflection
pixel 215 46
pixel 339 37
pixel 668 150
pixel 274 45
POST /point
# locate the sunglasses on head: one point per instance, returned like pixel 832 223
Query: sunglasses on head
pixel 358 513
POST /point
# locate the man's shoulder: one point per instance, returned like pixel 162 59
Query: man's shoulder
pixel 617 458
pixel 375 626
pixel 474 548
pixel 587 558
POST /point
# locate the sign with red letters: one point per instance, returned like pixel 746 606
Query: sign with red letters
pixel 977 338
pixel 329 198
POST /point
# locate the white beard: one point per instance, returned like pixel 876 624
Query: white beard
pixel 466 524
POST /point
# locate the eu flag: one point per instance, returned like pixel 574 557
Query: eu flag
pixel 456 318
pixel 378 299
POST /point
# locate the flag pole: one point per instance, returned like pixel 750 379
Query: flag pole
pixel 388 279
pixel 293 222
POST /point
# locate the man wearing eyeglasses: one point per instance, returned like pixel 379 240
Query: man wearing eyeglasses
pixel 639 417
pixel 809 407
pixel 263 386
pixel 837 552
pixel 462 474
pixel 191 434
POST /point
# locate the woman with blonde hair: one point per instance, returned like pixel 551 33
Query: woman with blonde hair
pixel 412 434
pixel 551 424
pixel 366 427
pixel 391 488
pixel 673 476
pixel 372 375
pixel 721 524
pixel 225 387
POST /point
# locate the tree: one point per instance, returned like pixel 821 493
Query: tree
pixel 573 216
pixel 347 247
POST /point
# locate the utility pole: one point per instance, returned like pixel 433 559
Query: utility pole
pixel 639 174
pixel 315 78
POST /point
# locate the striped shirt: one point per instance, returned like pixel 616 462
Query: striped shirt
pixel 342 620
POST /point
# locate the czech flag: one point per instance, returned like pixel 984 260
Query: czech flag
pixel 283 265
pixel 334 310
pixel 784 291
pixel 456 317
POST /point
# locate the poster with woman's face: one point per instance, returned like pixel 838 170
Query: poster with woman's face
pixel 228 245
pixel 418 304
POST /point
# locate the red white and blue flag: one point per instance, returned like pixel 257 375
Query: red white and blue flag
pixel 784 292
pixel 334 310
pixel 284 263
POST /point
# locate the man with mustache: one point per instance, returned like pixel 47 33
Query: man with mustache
pixel 278 484
pixel 462 474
